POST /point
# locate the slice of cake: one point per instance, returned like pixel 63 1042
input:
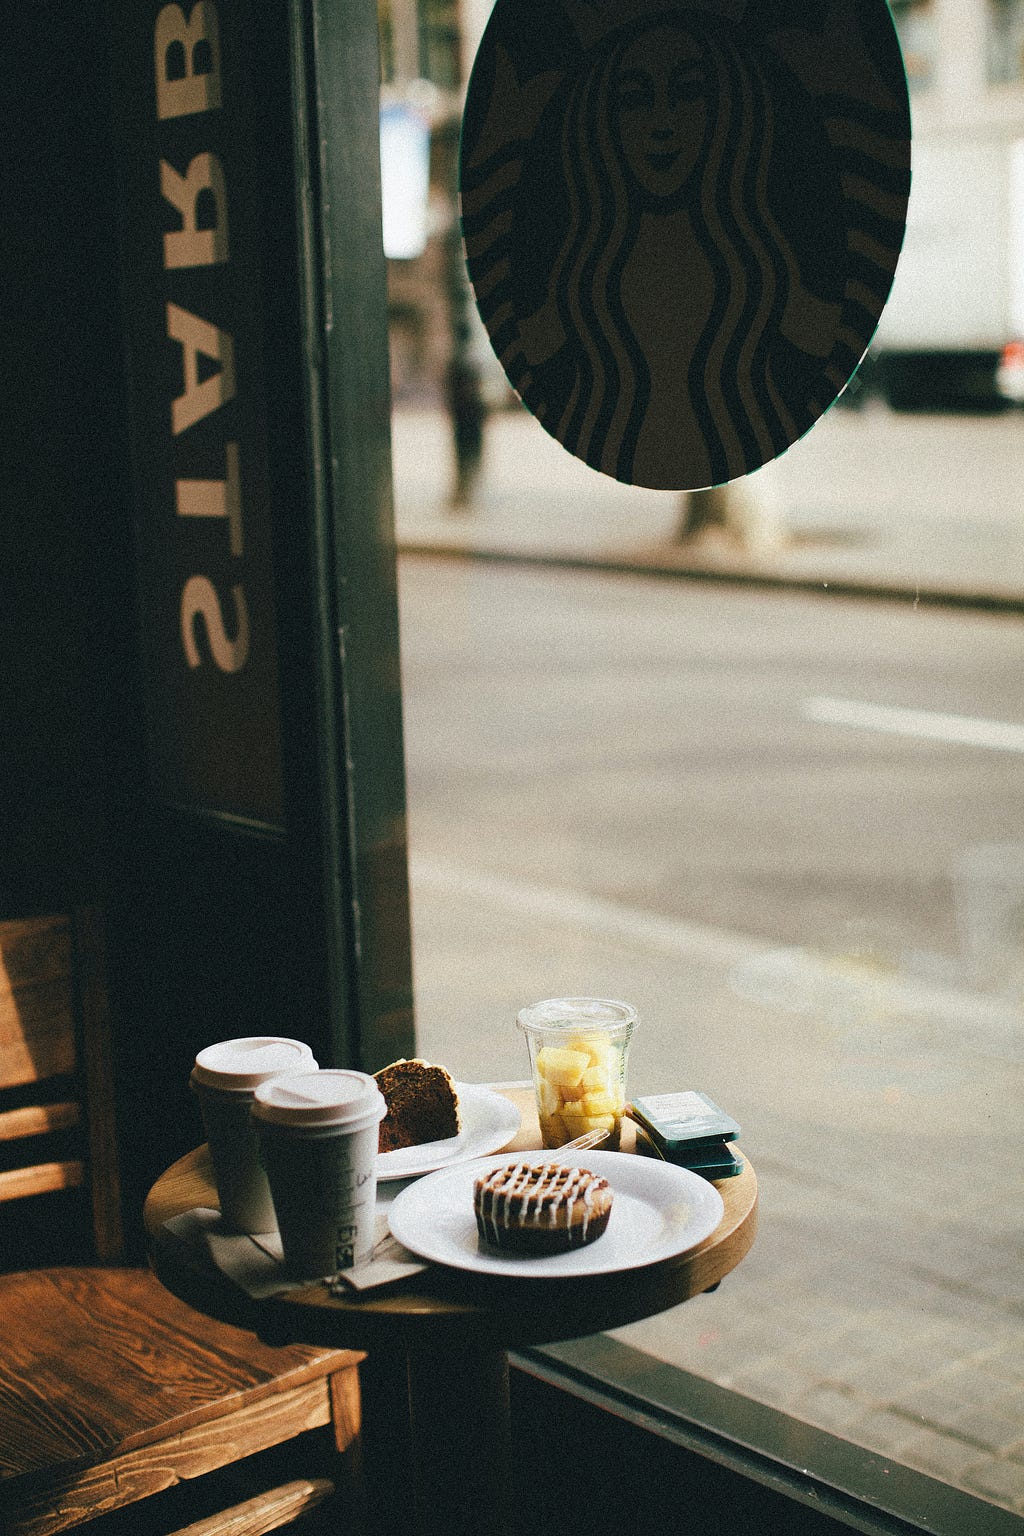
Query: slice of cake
pixel 539 1208
pixel 422 1104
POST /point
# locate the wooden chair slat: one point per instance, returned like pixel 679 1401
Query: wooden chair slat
pixel 36 1034
pixel 37 1120
pixel 40 1179
pixel 34 950
pixel 266 1512
pixel 36 1007
pixel 91 970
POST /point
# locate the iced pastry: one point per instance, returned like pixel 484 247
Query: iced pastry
pixel 540 1207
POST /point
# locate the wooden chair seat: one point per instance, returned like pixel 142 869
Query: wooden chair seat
pixel 111 1390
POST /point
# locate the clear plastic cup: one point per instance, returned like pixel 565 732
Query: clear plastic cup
pixel 224 1080
pixel 578 1051
pixel 318 1136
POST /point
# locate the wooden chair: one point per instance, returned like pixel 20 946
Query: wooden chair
pixel 111 1390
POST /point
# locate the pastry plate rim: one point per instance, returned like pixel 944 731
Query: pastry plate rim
pixel 668 1211
pixel 490 1122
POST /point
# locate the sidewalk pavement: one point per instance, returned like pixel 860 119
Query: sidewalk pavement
pixel 926 508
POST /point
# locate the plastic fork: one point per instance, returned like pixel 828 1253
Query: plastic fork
pixel 588 1139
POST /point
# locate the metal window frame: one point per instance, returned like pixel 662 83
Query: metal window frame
pixel 858 1488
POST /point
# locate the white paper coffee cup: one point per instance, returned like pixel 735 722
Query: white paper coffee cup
pixel 224 1080
pixel 318 1140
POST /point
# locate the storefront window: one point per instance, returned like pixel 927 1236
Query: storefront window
pixel 766 786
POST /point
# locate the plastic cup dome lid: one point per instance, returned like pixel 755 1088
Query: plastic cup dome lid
pixel 593 1013
pixel 240 1066
pixel 334 1096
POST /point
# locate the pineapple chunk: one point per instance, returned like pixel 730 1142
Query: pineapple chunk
pixel 552 1131
pixel 598 1104
pixel 548 1097
pixel 599 1051
pixel 595 1080
pixel 561 1068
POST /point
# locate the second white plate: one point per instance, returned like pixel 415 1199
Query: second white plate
pixel 658 1212
pixel 489 1121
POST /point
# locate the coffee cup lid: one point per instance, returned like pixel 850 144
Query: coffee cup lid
pixel 239 1066
pixel 335 1096
pixel 603 1014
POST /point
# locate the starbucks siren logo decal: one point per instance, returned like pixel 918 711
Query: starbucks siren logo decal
pixel 682 222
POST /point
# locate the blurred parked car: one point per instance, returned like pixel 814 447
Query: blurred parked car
pixel 947 336
pixel 1010 373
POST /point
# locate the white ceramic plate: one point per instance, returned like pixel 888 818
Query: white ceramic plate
pixel 658 1212
pixel 489 1121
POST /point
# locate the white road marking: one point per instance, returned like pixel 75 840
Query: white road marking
pixel 926 724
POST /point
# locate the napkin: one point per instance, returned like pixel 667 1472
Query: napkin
pixel 388 1262
pixel 255 1263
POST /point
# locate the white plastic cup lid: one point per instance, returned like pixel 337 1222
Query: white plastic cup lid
pixel 578 1013
pixel 239 1066
pixel 334 1096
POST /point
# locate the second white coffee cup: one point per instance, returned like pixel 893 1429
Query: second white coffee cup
pixel 318 1140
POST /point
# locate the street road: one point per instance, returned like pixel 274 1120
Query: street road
pixel 800 769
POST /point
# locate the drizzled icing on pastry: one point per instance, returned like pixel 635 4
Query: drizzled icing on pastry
pixel 539 1195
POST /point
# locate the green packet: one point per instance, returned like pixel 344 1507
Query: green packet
pixel 714 1161
pixel 680 1121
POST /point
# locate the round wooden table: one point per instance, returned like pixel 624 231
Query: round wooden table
pixel 454 1328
